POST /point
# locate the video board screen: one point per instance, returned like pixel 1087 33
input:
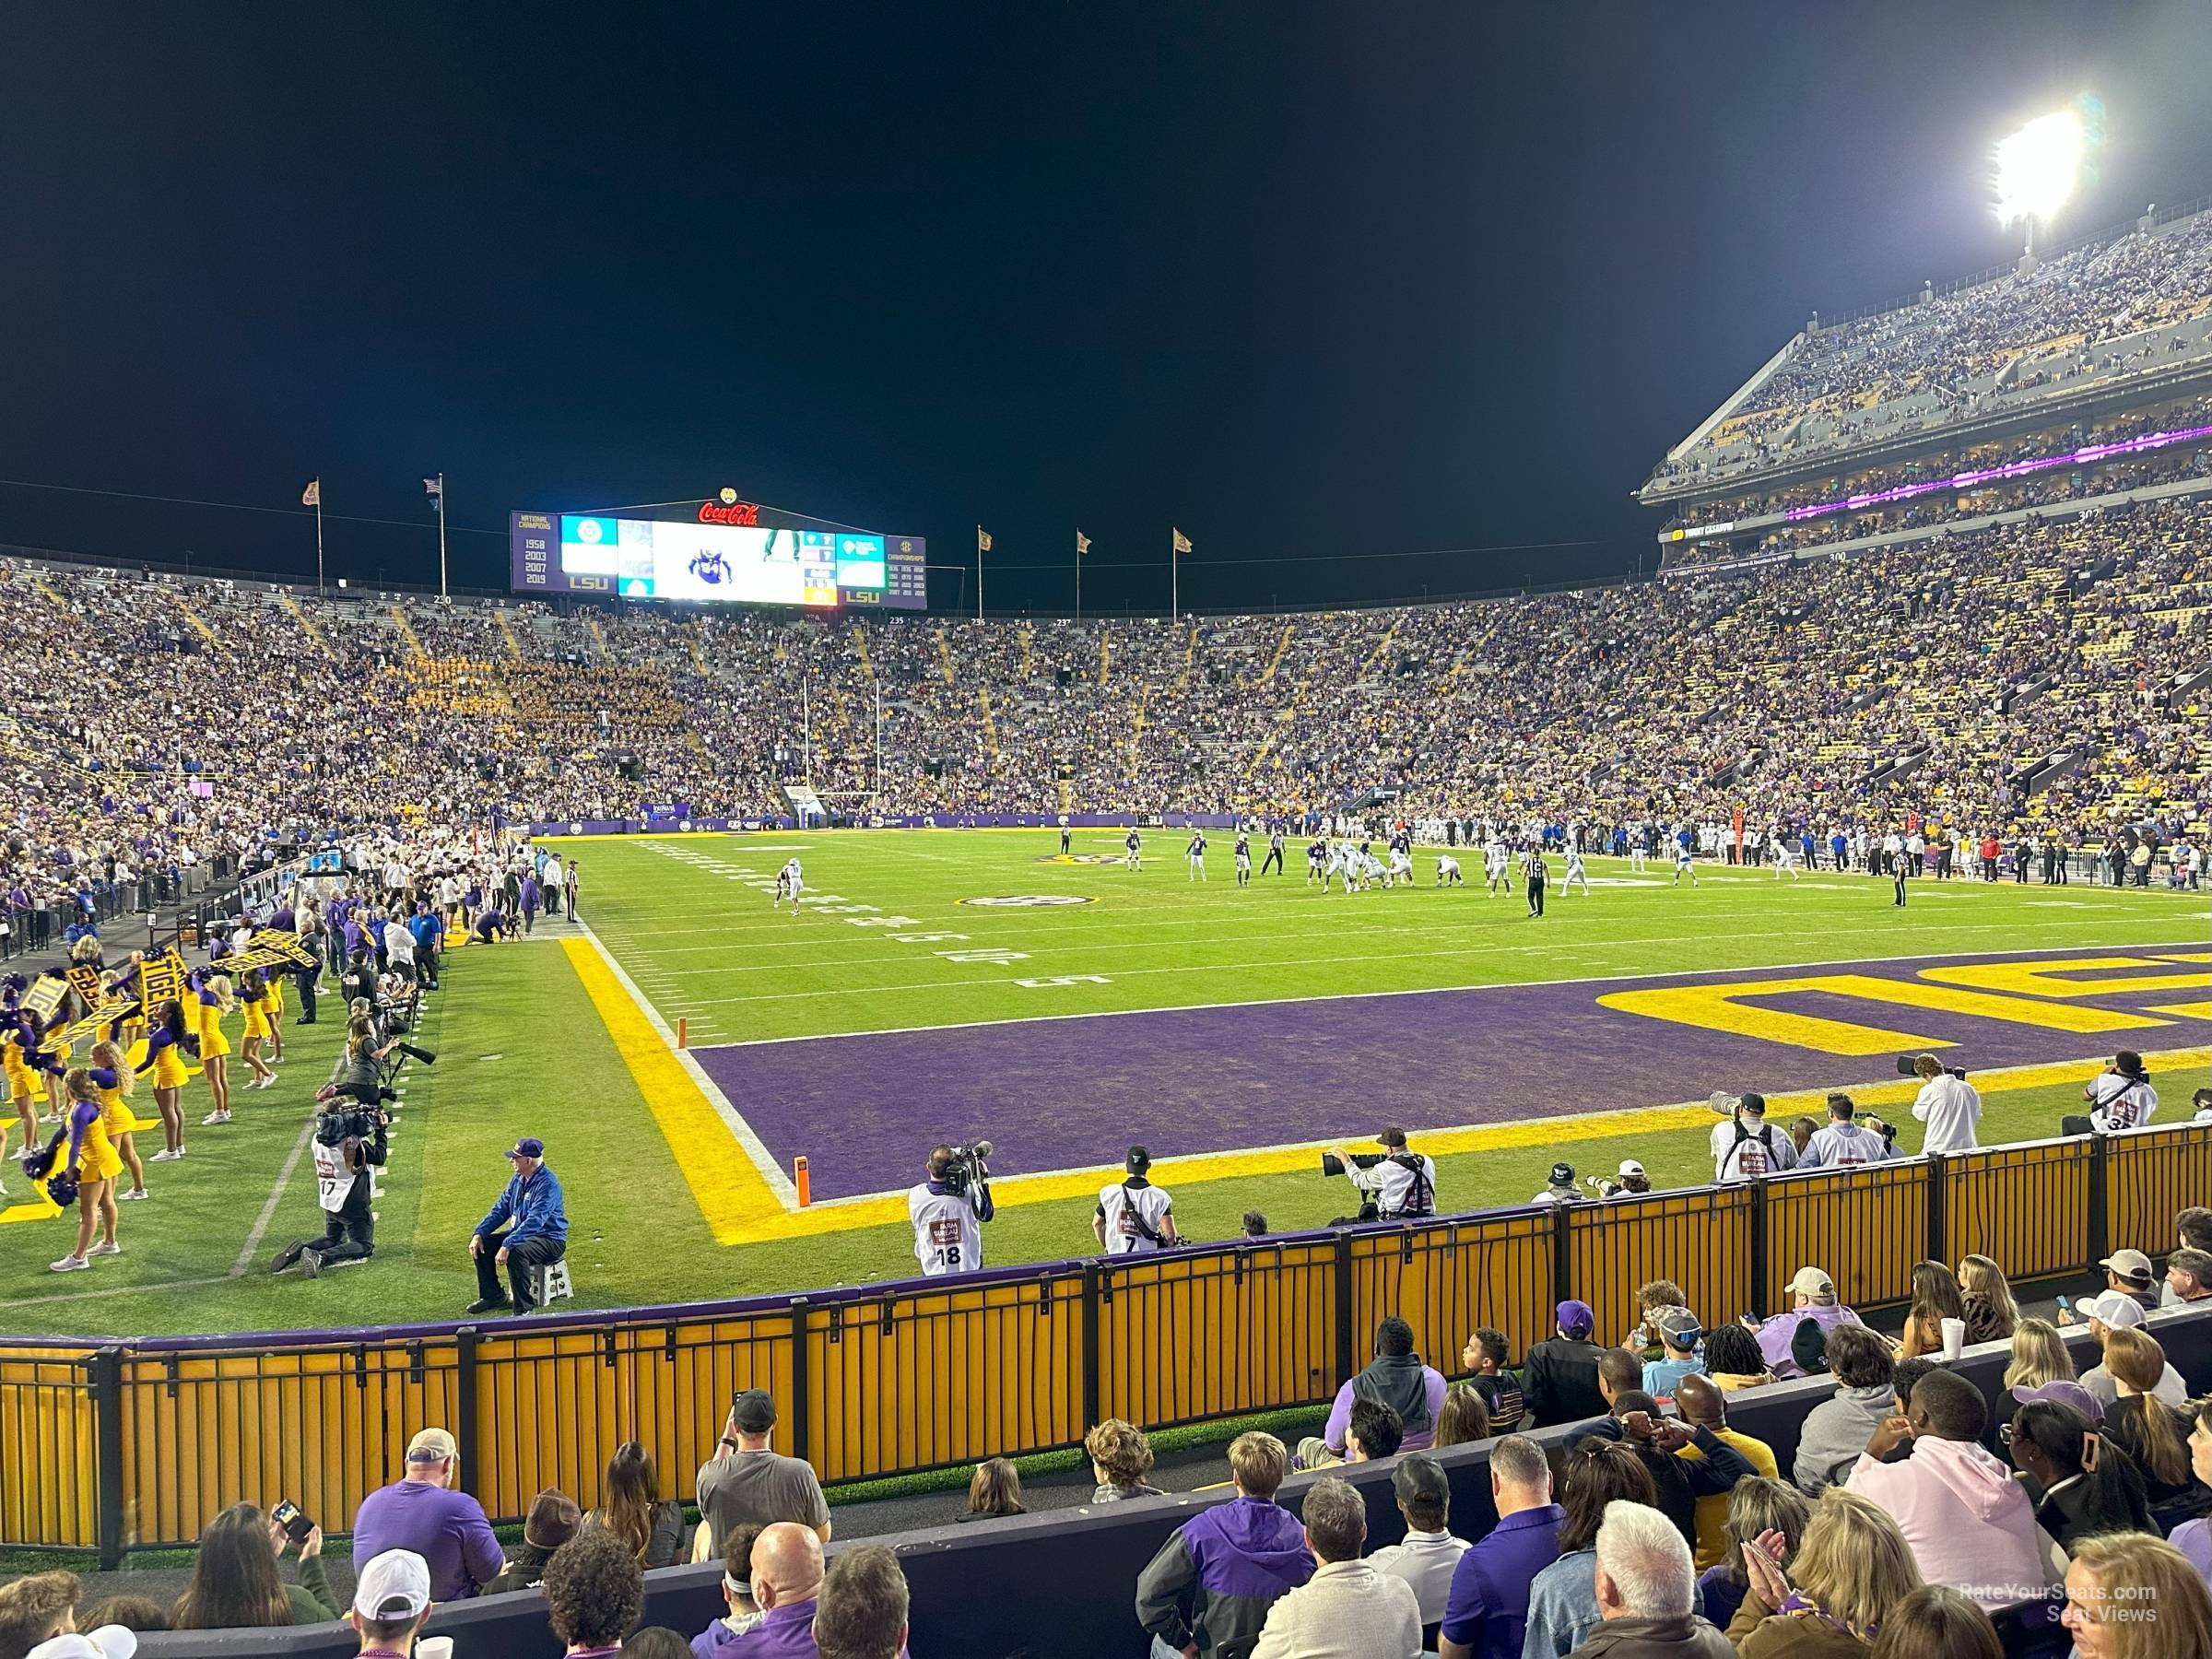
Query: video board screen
pixel 714 563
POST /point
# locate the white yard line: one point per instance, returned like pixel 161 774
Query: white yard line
pixel 268 1208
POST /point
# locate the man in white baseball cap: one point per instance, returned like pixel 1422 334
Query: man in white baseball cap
pixel 2117 1310
pixel 1812 1296
pixel 391 1602
pixel 2130 1272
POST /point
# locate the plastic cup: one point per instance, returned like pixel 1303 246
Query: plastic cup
pixel 1954 1339
pixel 434 1647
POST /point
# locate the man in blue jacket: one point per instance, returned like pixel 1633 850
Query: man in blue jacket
pixel 537 1230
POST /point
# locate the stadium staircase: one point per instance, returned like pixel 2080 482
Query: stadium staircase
pixel 408 636
pixel 598 636
pixel 514 646
pixel 944 655
pixel 198 623
pixel 306 622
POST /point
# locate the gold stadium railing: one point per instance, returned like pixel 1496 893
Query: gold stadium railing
pixel 112 1447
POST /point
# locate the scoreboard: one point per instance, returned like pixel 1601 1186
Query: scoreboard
pixel 714 560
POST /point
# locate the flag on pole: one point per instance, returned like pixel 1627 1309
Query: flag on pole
pixel 434 487
pixel 313 495
pixel 1082 544
pixel 1182 542
pixel 982 539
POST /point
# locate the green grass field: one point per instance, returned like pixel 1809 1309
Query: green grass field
pixel 524 1050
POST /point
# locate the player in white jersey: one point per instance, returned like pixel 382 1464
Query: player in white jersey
pixel 1399 866
pixel 1786 856
pixel 1244 859
pixel 790 880
pixel 1195 855
pixel 1371 871
pixel 1639 847
pixel 1497 868
pixel 1447 871
pixel 1574 872
pixel 1134 1217
pixel 1133 854
pixel 1684 865
pixel 948 1211
pixel 1843 1143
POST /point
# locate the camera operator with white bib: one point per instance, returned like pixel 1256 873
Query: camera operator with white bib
pixel 1134 1217
pixel 1400 1185
pixel 1947 1103
pixel 349 1137
pixel 949 1208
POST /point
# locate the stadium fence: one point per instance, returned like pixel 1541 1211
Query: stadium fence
pixel 137 1444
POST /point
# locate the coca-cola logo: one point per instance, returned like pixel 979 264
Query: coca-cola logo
pixel 735 513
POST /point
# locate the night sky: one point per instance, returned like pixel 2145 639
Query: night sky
pixel 1319 283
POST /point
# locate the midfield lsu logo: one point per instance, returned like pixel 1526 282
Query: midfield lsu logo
pixel 1079 858
pixel 1031 900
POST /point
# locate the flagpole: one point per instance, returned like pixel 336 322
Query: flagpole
pixel 318 537
pixel 441 535
pixel 979 573
pixel 1174 577
pixel 1078 576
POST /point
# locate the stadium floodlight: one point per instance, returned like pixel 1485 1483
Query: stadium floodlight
pixel 2037 168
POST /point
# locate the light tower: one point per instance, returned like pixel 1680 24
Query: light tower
pixel 2037 169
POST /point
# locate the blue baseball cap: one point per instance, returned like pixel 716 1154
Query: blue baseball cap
pixel 528 1146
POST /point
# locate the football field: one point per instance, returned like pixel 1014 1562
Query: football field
pixel 947 985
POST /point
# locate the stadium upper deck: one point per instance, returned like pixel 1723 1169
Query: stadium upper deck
pixel 2115 321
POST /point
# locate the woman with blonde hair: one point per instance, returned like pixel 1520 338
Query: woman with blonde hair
pixel 2149 1430
pixel 2039 1356
pixel 1991 1312
pixel 211 1001
pixel 2130 1595
pixel 1935 1297
pixel 1757 1508
pixel 112 1076
pixel 255 994
pixel 1852 1569
pixel 91 1162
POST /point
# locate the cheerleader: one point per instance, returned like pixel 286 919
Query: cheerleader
pixel 212 1000
pixel 57 1108
pixel 111 1075
pixel 272 980
pixel 93 1164
pixel 18 1042
pixel 165 1059
pixel 255 994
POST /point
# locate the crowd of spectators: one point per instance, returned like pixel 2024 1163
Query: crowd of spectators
pixel 2092 314
pixel 1785 691
pixel 1646 1524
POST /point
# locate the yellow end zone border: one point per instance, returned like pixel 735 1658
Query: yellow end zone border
pixel 728 1169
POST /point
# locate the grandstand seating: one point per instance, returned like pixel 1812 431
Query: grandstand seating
pixel 1061 1582
pixel 1780 690
pixel 2092 320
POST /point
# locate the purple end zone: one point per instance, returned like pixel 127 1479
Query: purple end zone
pixel 1068 1093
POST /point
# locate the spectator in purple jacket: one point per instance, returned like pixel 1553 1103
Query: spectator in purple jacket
pixel 527 901
pixel 421 1513
pixel 1215 1578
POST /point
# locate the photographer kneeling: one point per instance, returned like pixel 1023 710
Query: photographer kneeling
pixel 1397 1185
pixel 349 1136
pixel 949 1208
